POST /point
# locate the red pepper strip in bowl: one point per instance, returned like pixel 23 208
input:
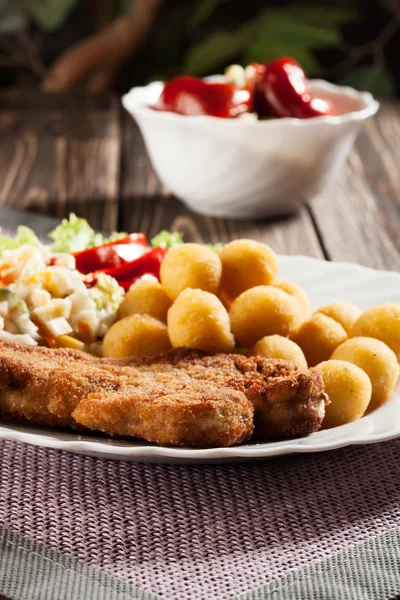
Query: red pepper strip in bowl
pixel 147 264
pixel 282 90
pixel 112 254
pixel 195 97
pixel 317 107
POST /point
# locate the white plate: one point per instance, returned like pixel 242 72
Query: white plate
pixel 324 282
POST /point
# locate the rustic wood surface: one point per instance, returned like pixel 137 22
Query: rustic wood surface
pixel 62 153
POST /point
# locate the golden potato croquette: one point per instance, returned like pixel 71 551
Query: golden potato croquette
pixel 318 337
pixel 277 346
pixel 148 298
pixel 377 360
pixel 136 335
pixel 246 264
pixel 264 310
pixel 344 313
pixel 381 322
pixel 349 391
pixel 191 266
pixel 198 319
pixel 293 289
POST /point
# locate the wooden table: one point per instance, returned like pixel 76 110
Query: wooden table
pixel 63 153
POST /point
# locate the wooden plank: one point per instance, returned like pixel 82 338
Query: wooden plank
pixel 64 158
pixel 358 217
pixel 146 206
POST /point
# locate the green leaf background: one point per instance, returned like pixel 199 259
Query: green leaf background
pixel 192 37
pixel 51 14
pixel 11 16
pixel 376 80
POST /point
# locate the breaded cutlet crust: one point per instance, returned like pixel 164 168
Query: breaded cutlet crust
pixel 180 397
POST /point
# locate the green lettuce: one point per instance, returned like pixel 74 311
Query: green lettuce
pixel 215 247
pixel 24 236
pixel 168 239
pixel 114 237
pixel 75 234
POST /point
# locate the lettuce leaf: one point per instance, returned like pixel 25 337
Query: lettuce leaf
pixel 167 238
pixel 114 237
pixel 75 234
pixel 215 247
pixel 24 236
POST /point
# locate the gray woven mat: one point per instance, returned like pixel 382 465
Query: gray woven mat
pixel 294 527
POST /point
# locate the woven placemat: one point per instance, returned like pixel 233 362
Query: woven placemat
pixel 304 526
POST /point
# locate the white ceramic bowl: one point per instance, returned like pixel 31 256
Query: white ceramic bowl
pixel 236 168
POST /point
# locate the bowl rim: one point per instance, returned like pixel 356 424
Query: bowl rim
pixel 134 104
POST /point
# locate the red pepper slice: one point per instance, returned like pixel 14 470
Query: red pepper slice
pixel 90 280
pixel 147 264
pixel 316 107
pixel 194 97
pixel 283 91
pixel 111 254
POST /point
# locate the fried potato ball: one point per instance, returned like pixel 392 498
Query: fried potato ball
pixel 136 335
pixel 293 289
pixel 146 298
pixel 318 337
pixel 277 346
pixel 349 390
pixel 191 266
pixel 377 360
pixel 381 322
pixel 264 310
pixel 344 313
pixel 246 264
pixel 198 319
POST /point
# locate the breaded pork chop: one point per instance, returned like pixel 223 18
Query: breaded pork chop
pixel 181 397
pixel 47 387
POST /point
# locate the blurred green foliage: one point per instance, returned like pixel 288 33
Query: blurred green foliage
pixel 374 79
pixel 200 41
pixel 49 15
pixel 192 37
pixel 294 30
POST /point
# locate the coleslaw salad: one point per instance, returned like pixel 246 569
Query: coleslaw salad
pixel 46 300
